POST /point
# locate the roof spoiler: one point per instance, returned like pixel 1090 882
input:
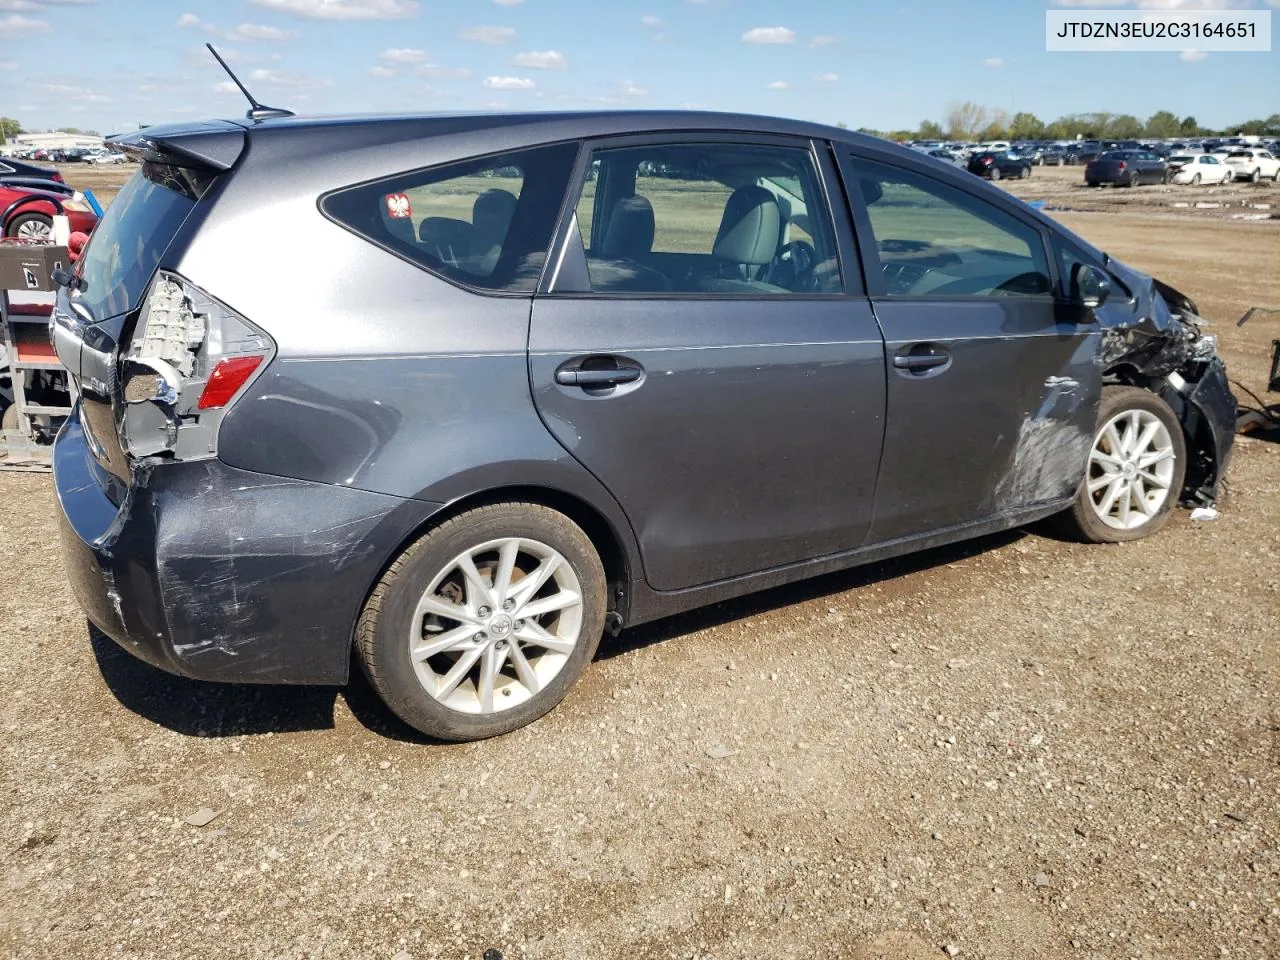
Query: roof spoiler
pixel 214 146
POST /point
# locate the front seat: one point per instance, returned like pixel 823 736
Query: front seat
pixel 628 240
pixel 747 240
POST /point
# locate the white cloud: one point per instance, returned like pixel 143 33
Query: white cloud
pixel 343 9
pixel 7 65
pixel 509 83
pixel 226 86
pixel 651 21
pixel 828 78
pixel 255 31
pixel 778 85
pixel 1162 4
pixel 37 4
pixel 769 35
pixel 403 55
pixel 381 71
pixel 435 70
pixel 188 20
pixel 490 35
pixel 540 60
pixel 1193 56
pixel 508 3
pixel 993 62
pixel 288 81
pixel 824 40
pixel 632 89
pixel 16 25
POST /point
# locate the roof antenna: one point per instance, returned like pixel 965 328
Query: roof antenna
pixel 256 110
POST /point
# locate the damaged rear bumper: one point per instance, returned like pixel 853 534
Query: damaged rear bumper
pixel 216 573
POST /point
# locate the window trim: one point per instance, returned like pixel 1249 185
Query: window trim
pixel 458 161
pixel 877 286
pixel 570 260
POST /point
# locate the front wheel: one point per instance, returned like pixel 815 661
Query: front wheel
pixel 1026 173
pixel 483 625
pixel 1135 470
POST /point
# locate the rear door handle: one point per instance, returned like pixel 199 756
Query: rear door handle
pixel 921 361
pixel 598 372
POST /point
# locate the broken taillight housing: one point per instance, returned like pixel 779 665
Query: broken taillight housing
pixel 189 358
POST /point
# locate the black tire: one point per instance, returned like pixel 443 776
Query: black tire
pixel 16 223
pixel 1026 173
pixel 1256 175
pixel 1195 180
pixel 1135 178
pixel 995 173
pixel 384 625
pixel 1081 521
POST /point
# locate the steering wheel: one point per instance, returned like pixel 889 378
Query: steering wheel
pixel 792 267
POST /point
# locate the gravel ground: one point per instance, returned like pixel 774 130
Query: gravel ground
pixel 1015 748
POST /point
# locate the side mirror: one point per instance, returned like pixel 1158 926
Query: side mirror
pixel 1090 286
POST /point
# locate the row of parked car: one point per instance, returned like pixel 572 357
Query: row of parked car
pixel 1132 167
pixel 1084 152
pixel 94 155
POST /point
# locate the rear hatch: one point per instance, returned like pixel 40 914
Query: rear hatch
pixel 152 356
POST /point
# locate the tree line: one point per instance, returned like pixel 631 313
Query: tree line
pixel 973 121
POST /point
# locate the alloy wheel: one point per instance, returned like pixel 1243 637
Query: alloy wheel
pixel 35 230
pixel 1131 469
pixel 496 625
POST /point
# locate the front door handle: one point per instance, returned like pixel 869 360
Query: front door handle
pixel 598 372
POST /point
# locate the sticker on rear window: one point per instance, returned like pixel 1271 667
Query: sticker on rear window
pixel 398 206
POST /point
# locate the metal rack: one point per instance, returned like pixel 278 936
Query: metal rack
pixel 25 318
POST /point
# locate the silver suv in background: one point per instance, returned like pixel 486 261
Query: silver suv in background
pixel 463 393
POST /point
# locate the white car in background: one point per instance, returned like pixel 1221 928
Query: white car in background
pixel 1253 164
pixel 106 156
pixel 1198 169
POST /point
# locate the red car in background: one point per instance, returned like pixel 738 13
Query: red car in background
pixel 33 220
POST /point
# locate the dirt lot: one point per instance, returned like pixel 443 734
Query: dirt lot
pixel 1015 748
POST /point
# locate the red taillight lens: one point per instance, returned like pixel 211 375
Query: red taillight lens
pixel 986 161
pixel 227 377
pixel 57 177
pixel 1122 166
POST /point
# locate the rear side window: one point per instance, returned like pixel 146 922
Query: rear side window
pixel 482 223
pixel 127 243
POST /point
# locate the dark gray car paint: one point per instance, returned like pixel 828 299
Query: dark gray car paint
pixel 396 394
pixel 222 574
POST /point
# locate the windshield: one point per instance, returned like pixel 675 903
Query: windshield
pixel 125 247
pixel 1243 154
pixel 1179 159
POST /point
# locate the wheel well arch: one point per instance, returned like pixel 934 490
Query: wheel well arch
pixel 599 530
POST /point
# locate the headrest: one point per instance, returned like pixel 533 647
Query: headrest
pixel 629 233
pixel 491 216
pixel 750 228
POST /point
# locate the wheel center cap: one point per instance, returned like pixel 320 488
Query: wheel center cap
pixel 1129 469
pixel 500 626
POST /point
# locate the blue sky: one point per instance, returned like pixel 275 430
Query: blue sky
pixel 111 64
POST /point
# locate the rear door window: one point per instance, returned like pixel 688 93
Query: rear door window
pixel 482 223
pixel 708 219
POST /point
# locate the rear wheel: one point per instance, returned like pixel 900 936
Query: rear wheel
pixel 1134 473
pixel 1195 181
pixel 995 173
pixel 1026 173
pixel 484 624
pixel 1135 178
pixel 30 226
pixel 1256 175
